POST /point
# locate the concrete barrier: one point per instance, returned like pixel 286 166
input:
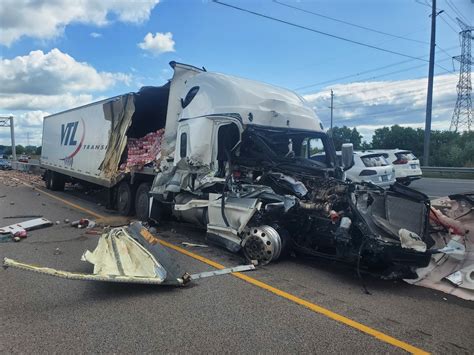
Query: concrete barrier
pixel 32 168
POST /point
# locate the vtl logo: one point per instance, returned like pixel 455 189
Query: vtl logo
pixel 68 139
pixel 68 133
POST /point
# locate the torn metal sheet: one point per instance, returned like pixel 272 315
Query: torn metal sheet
pixel 79 276
pixel 187 244
pixel 125 254
pixel 26 225
pixel 118 139
pixel 229 270
pixel 129 255
pixel 451 269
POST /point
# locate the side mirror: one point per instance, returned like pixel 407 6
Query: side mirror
pixel 347 155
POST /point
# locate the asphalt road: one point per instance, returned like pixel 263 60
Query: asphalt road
pixel 41 314
pixel 434 187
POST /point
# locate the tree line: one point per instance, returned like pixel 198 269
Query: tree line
pixel 29 149
pixel 447 148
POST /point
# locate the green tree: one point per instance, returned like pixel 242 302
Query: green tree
pixel 366 145
pixel 399 137
pixel 38 151
pixel 344 134
pixel 20 149
pixel 30 149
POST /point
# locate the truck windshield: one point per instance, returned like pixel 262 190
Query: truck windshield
pixel 288 145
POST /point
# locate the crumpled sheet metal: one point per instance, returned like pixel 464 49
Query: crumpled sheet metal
pixel 118 139
pixel 451 272
pixel 130 255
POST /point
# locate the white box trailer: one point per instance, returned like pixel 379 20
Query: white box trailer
pixel 75 142
pixel 89 143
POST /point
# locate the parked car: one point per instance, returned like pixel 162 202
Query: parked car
pixel 5 164
pixel 406 164
pixel 371 166
pixel 23 158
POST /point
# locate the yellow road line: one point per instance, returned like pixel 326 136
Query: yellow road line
pixel 89 212
pixel 314 307
pixel 309 305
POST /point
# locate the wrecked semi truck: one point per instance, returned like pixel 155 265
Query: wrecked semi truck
pixel 252 165
pixel 248 162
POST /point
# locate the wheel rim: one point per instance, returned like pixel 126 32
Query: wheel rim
pixel 262 243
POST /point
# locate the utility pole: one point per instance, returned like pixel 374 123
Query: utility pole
pixel 429 95
pixel 332 108
pixel 12 133
pixel 8 122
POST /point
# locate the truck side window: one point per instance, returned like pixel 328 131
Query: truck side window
pixel 189 96
pixel 183 145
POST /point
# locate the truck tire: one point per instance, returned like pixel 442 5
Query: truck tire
pixel 125 199
pixel 55 181
pixel 142 201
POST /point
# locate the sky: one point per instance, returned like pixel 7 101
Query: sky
pixel 55 55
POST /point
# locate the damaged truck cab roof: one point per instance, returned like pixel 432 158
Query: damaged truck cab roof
pixel 215 94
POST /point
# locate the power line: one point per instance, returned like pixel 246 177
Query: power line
pixel 368 71
pixel 446 22
pixel 351 75
pixel 401 71
pixel 379 100
pixel 445 52
pixel 450 17
pixel 456 10
pixel 348 23
pixel 319 32
pixel 392 86
pixel 394 96
pixel 396 112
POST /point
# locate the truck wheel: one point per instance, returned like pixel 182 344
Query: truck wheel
pixel 125 199
pixel 55 181
pixel 142 201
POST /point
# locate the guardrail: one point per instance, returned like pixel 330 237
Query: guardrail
pixel 448 172
pixel 446 169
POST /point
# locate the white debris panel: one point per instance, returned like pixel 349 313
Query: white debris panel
pixel 128 255
pixel 124 254
pixel 451 269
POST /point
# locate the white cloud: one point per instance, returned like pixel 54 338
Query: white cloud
pixel 158 43
pixel 371 105
pixel 43 102
pixel 46 19
pixel 28 127
pixel 51 73
pixel 95 34
pixel 37 83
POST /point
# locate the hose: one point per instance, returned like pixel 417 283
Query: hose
pixel 224 217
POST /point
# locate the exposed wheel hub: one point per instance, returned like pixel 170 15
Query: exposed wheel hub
pixel 262 243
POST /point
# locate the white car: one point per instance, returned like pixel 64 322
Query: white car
pixel 406 164
pixel 371 166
